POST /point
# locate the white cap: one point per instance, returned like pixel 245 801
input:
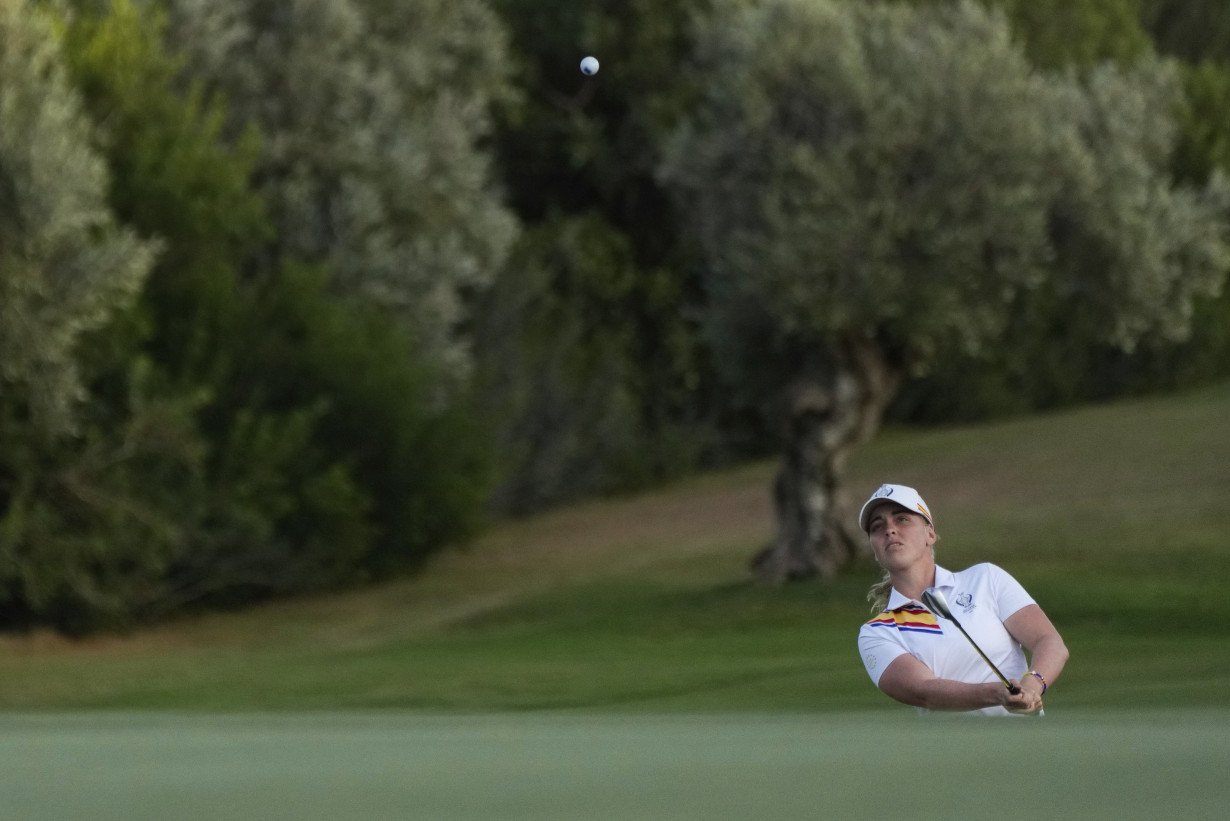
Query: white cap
pixel 905 496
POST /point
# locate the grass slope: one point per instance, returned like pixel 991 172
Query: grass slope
pixel 1112 516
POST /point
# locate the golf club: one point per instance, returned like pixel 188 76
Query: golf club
pixel 936 603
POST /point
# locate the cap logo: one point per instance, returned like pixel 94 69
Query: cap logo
pixel 885 490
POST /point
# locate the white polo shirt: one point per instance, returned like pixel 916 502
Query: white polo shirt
pixel 981 598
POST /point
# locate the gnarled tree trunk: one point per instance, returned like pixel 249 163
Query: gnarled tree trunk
pixel 830 411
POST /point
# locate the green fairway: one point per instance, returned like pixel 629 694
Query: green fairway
pixel 1112 516
pixel 377 765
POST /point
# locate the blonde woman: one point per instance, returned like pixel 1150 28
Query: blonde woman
pixel 920 658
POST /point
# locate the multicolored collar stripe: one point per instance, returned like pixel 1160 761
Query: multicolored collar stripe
pixel 908 619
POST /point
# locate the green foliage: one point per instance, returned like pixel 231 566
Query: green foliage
pixel 101 524
pixel 94 523
pixel 575 144
pixel 417 461
pixel 607 381
pixel 566 373
pixel 1204 111
pixel 66 267
pixel 373 165
pixel 1081 34
pixel 249 433
pixel 1133 249
pixel 1061 33
pixel 174 177
pixel 1199 33
pixel 333 453
pixel 1065 33
pixel 1193 30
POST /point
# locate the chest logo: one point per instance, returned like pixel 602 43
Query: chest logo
pixel 966 602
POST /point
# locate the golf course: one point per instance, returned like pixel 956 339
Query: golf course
pixel 615 660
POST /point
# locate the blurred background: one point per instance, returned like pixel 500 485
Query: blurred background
pixel 378 326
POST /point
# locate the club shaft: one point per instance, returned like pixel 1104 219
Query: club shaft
pixel 990 663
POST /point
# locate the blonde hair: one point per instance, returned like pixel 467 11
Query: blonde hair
pixel 878 594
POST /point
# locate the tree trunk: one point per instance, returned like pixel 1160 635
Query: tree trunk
pixel 830 411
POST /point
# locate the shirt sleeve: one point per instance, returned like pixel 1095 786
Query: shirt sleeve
pixel 878 647
pixel 1009 595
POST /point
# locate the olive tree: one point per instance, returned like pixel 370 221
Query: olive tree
pixel 876 186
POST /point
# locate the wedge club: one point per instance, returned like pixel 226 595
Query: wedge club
pixel 936 603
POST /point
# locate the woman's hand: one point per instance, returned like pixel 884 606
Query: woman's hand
pixel 1028 700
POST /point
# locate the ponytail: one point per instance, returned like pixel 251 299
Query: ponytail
pixel 878 594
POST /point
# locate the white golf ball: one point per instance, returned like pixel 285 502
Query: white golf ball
pixel 589 66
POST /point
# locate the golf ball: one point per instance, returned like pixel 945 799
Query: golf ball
pixel 589 66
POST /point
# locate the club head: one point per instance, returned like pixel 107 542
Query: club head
pixel 936 603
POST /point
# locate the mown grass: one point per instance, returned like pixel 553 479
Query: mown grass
pixel 1112 516
pixel 547 765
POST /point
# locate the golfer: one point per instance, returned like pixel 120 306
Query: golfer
pixel 923 659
